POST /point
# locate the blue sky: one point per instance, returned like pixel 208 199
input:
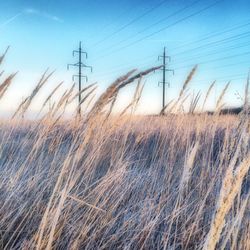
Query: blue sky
pixel 121 35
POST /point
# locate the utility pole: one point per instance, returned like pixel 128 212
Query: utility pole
pixel 164 70
pixel 80 65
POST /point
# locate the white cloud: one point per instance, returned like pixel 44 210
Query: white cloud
pixel 10 20
pixel 31 11
pixel 43 14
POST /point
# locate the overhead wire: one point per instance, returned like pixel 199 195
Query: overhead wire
pixel 165 27
pixel 132 22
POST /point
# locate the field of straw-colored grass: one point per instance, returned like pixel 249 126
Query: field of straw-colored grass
pixel 102 181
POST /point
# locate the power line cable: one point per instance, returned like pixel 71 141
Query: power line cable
pixel 210 53
pixel 164 28
pixel 230 39
pixel 156 23
pixel 118 17
pixel 217 59
pixel 214 34
pixel 132 22
pixel 211 35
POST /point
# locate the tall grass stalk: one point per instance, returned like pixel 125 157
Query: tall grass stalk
pixel 179 181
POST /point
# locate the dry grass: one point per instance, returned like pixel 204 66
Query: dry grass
pixel 124 182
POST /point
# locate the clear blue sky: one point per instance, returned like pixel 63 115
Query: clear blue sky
pixel 121 35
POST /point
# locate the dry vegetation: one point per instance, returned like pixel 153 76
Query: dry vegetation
pixel 123 181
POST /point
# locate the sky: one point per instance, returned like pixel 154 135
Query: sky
pixel 123 35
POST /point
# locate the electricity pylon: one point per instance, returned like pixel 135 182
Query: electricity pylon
pixel 80 65
pixel 164 57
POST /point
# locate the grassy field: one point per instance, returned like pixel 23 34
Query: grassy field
pixel 103 181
